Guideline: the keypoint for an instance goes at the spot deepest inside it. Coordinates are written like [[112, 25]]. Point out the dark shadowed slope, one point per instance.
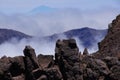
[[87, 36], [7, 34]]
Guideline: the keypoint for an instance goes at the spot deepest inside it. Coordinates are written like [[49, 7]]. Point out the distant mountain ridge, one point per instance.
[[87, 36], [7, 34]]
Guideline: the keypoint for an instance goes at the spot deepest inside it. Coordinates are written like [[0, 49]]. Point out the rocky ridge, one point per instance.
[[110, 46], [68, 63]]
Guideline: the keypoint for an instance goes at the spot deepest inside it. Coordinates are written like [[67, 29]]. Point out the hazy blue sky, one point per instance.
[[27, 5]]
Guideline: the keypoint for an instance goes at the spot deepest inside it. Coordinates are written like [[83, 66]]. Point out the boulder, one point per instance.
[[67, 57], [94, 68], [11, 67], [31, 62], [30, 58]]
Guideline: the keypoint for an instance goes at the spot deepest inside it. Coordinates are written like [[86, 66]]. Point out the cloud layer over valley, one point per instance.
[[15, 47], [42, 24], [46, 17]]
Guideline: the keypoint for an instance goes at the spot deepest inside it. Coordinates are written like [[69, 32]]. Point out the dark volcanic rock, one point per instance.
[[11, 67], [31, 58], [95, 68], [111, 61], [31, 63], [45, 61], [110, 46], [17, 66], [67, 57], [85, 52], [115, 72]]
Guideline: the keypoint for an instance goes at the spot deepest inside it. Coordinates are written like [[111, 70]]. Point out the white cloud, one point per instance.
[[45, 47], [58, 21], [15, 48], [94, 14]]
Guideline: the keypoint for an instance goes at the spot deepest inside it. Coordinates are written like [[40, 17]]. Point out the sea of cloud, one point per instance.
[[39, 24], [15, 47], [46, 24]]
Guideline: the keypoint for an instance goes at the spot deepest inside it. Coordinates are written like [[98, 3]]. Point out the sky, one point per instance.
[[46, 17], [11, 6]]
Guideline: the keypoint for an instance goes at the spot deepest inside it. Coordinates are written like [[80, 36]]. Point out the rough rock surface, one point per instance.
[[45, 61], [67, 57], [68, 63], [110, 46]]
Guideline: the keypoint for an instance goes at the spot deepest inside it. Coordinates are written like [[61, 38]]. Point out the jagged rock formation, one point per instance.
[[110, 46], [67, 58], [69, 63], [29, 67], [85, 52]]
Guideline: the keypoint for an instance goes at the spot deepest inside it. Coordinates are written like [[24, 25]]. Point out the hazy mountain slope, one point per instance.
[[87, 36], [7, 34]]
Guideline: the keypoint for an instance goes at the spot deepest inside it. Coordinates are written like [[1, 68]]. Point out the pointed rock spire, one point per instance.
[[85, 52]]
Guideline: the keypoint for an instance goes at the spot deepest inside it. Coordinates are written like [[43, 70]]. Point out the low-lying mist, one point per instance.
[[14, 47], [46, 24], [58, 21]]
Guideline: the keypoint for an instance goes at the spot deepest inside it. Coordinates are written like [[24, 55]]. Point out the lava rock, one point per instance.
[[85, 52], [45, 61]]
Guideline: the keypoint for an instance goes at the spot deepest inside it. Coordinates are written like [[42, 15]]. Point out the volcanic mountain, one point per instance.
[[87, 36], [7, 34]]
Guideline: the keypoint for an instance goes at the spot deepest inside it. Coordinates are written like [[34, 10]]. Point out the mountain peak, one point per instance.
[[86, 35], [7, 34], [42, 9]]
